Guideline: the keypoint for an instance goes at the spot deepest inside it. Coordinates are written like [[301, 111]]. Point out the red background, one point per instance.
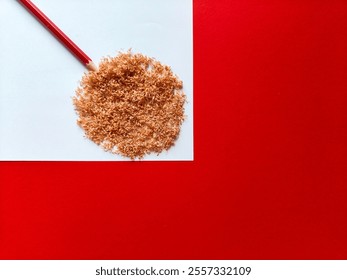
[[270, 172]]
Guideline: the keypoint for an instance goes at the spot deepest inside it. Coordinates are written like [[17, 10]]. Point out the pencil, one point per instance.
[[69, 44]]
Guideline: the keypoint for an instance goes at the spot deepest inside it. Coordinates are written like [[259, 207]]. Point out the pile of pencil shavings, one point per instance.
[[132, 105]]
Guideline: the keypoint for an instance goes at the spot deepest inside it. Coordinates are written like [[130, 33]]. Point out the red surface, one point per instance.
[[70, 45], [269, 179]]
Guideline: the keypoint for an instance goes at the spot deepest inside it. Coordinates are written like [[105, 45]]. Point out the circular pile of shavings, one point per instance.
[[131, 106]]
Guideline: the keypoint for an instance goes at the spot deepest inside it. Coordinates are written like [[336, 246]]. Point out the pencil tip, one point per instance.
[[91, 66]]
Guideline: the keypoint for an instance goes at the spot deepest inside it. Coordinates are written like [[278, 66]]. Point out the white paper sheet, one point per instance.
[[38, 75]]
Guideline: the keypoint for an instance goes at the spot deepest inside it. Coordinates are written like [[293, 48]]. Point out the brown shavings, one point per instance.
[[132, 105]]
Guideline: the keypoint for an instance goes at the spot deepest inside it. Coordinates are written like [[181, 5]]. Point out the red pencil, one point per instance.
[[59, 34]]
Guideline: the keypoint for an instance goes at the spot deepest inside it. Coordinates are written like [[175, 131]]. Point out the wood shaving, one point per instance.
[[132, 105]]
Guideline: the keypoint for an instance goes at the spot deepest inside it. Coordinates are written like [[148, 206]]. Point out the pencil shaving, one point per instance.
[[132, 105]]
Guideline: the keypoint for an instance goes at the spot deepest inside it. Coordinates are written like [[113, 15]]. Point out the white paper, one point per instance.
[[38, 75]]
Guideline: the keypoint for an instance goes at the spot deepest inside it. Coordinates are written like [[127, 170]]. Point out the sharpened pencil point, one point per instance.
[[91, 66]]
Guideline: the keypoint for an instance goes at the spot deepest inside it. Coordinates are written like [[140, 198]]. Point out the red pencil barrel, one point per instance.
[[56, 31]]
